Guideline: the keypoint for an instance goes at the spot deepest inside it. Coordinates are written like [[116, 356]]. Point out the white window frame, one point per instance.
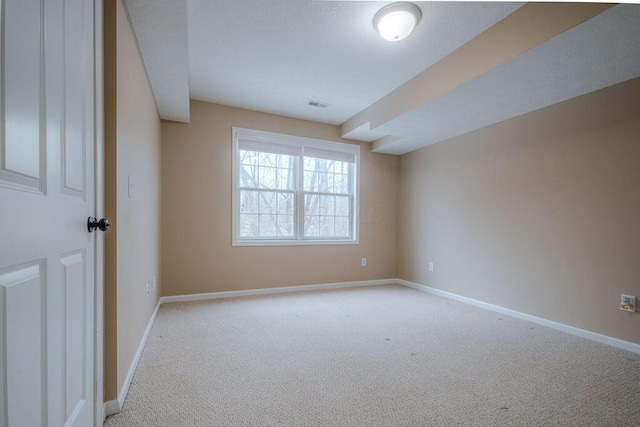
[[300, 142]]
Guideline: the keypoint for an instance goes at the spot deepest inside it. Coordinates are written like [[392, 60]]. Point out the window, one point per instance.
[[293, 190]]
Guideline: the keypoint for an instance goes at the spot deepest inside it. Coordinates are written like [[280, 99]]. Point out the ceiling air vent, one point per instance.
[[318, 104]]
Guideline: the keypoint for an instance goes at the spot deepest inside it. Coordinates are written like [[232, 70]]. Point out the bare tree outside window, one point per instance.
[[266, 194], [326, 198], [287, 191]]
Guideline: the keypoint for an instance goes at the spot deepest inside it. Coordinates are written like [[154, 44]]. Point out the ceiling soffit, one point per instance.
[[400, 122], [160, 27]]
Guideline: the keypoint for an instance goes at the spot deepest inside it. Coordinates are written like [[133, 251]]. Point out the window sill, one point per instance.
[[294, 242]]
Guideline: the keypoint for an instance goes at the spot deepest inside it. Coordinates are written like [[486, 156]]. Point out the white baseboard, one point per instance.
[[111, 407], [114, 406], [605, 339], [267, 291]]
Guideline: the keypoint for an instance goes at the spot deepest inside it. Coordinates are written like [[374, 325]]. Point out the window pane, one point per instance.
[[324, 186], [285, 162], [318, 182], [265, 214], [285, 226], [267, 225], [267, 202], [341, 183], [311, 204], [327, 206], [309, 164], [326, 216], [248, 157], [267, 177], [342, 205], [249, 226], [342, 226], [314, 178], [285, 203], [248, 201], [267, 159], [266, 170], [286, 179], [249, 175], [326, 226], [329, 183], [310, 181], [326, 176], [311, 226]]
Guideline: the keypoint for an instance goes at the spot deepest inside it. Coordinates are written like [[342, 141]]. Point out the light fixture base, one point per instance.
[[396, 21]]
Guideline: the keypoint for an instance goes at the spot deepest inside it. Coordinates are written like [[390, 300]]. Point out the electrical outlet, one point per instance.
[[628, 303], [363, 262], [431, 267]]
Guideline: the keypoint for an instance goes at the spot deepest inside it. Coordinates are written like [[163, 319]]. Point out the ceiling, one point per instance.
[[465, 66]]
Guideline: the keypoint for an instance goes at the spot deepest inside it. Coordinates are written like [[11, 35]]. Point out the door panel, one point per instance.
[[22, 302], [74, 99], [47, 256], [75, 334], [22, 155]]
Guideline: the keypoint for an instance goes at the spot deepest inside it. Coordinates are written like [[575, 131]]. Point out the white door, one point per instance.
[[46, 195]]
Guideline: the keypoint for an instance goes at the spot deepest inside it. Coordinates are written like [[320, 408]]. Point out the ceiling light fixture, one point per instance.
[[395, 22]]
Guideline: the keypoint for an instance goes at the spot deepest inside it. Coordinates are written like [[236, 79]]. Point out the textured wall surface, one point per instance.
[[196, 212], [132, 155], [538, 213]]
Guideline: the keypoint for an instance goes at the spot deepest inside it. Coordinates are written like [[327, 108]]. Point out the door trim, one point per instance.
[[98, 354]]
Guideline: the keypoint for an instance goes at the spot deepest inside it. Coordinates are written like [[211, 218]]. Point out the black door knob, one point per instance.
[[93, 223]]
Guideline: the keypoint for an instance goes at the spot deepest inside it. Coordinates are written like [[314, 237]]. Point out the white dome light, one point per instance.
[[396, 21]]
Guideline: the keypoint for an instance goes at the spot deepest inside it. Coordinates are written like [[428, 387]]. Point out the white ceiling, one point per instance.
[[161, 30], [596, 54], [276, 55]]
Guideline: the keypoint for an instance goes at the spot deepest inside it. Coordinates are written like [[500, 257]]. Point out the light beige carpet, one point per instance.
[[374, 356]]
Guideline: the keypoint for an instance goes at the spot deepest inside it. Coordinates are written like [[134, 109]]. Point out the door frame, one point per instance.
[[98, 354]]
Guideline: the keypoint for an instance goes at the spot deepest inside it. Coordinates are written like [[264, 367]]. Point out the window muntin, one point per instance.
[[291, 190], [267, 193], [327, 199]]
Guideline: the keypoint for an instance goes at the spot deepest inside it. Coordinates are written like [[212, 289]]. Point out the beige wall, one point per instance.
[[540, 214], [132, 150], [196, 212]]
